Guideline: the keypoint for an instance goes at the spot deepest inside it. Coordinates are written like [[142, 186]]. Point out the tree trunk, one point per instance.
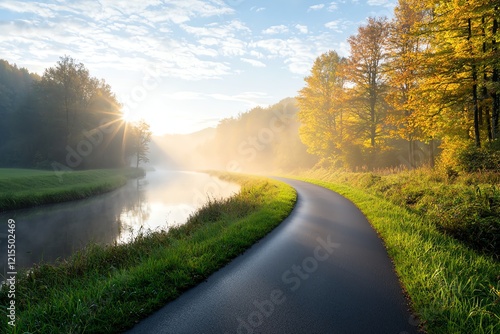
[[373, 103], [411, 151], [432, 159], [477, 134], [495, 130]]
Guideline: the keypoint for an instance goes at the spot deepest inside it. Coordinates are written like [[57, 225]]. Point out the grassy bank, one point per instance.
[[453, 288], [21, 188], [466, 206], [108, 289]]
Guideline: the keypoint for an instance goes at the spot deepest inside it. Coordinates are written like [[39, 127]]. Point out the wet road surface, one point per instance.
[[323, 270]]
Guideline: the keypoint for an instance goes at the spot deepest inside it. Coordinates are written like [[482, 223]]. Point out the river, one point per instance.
[[158, 201]]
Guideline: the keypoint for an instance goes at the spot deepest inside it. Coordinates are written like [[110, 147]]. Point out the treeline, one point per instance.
[[427, 78], [261, 139], [64, 120]]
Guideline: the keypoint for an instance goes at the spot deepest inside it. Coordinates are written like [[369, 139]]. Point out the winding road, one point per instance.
[[323, 270]]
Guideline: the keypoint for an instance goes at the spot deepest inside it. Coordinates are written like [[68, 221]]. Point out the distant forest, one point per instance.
[[64, 120], [262, 139]]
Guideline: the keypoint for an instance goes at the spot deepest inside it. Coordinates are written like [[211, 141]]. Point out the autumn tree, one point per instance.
[[456, 93], [464, 46], [405, 46], [365, 73], [321, 109]]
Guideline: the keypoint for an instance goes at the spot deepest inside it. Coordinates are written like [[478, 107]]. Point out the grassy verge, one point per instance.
[[466, 206], [108, 289], [453, 289], [21, 188]]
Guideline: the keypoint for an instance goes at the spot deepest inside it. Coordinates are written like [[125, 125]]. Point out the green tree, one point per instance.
[[141, 136], [74, 106], [18, 124]]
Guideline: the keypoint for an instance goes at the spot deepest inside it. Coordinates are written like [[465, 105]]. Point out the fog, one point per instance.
[[262, 140]]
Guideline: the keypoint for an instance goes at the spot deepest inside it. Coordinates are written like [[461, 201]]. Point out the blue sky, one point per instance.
[[185, 64]]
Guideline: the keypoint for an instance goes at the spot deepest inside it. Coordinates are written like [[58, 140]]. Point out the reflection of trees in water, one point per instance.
[[56, 231], [136, 211]]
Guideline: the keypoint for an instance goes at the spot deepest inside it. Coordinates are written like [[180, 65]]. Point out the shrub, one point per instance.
[[472, 158]]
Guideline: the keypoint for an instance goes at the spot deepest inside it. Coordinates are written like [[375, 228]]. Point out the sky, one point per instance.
[[183, 65]]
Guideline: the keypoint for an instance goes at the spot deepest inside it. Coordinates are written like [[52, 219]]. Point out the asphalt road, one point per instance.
[[323, 270]]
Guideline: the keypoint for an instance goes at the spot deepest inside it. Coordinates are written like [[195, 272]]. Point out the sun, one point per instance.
[[127, 117]]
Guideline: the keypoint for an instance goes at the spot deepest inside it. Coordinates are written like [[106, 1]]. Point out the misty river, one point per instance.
[[159, 200]]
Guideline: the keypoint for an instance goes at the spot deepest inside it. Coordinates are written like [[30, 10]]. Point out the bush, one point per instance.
[[473, 159]]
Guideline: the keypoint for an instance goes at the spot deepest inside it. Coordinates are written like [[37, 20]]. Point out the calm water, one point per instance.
[[158, 201]]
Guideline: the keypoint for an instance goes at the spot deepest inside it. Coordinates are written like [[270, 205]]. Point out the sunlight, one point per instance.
[[128, 117]]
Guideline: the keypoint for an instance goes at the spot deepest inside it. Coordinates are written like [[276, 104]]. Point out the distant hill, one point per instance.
[[180, 151], [260, 140]]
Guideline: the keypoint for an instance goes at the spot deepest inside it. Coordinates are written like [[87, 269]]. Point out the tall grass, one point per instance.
[[20, 188], [106, 289], [466, 206]]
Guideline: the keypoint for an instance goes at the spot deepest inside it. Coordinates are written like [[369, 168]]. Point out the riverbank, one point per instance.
[[22, 188], [106, 289], [453, 287]]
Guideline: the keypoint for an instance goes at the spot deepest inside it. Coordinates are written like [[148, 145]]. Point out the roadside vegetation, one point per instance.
[[465, 206], [21, 188], [442, 234], [107, 289]]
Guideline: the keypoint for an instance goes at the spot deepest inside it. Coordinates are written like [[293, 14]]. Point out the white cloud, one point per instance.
[[384, 3], [302, 29], [217, 30], [333, 7], [339, 25], [123, 35], [273, 30], [316, 7], [333, 25], [253, 62], [256, 54], [257, 9], [133, 35], [297, 53]]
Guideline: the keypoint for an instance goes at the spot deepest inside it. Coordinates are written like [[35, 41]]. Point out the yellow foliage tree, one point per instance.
[[321, 111], [367, 81]]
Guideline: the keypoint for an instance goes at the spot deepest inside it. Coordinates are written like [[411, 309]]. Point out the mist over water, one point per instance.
[[158, 201]]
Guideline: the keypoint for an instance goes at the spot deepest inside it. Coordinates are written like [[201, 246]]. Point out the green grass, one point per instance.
[[453, 289], [21, 188], [107, 289], [465, 206]]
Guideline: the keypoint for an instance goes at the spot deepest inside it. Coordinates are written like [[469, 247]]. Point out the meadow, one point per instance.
[[21, 188]]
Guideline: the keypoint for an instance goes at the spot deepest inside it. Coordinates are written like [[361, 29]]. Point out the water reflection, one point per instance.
[[158, 201]]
